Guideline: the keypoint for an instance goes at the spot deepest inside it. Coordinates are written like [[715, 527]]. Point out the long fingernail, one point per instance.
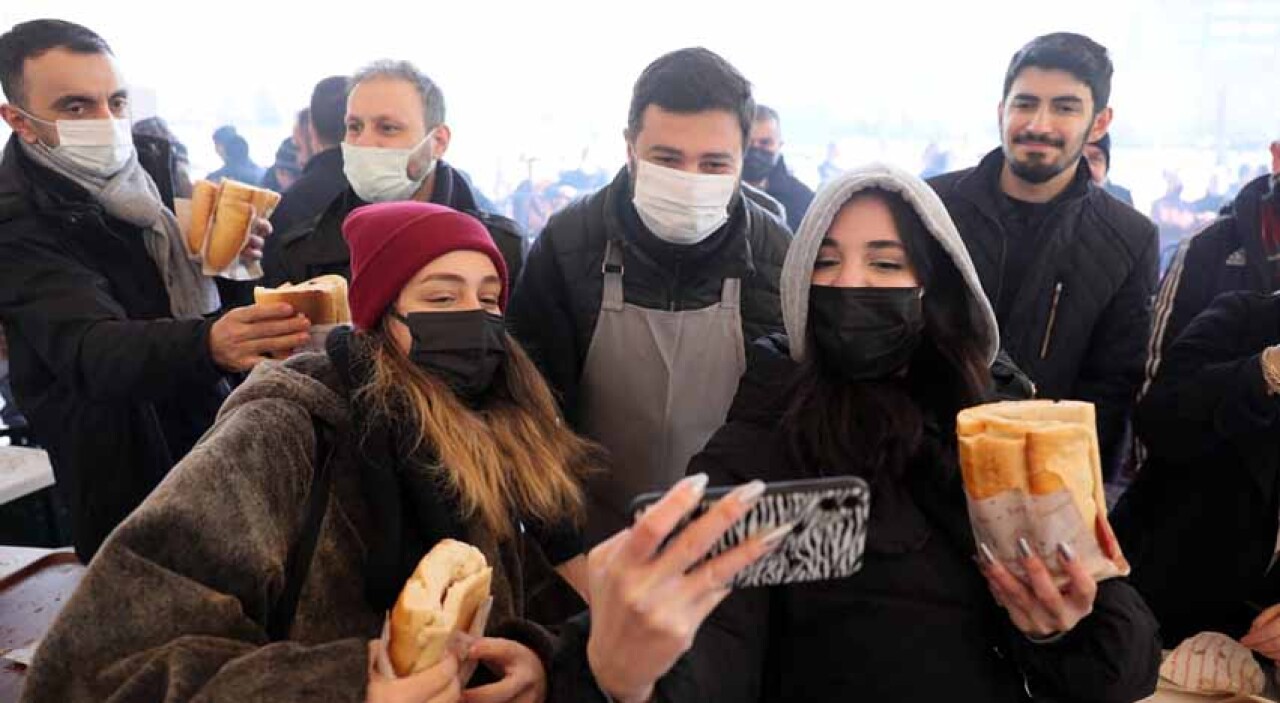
[[1068, 554], [988, 557], [1024, 547], [695, 484], [749, 493], [775, 536]]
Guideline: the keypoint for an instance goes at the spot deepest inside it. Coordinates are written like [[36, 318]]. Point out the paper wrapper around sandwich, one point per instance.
[[1032, 470], [458, 645]]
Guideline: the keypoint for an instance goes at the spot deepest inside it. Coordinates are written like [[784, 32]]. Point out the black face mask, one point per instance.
[[865, 333], [757, 164], [464, 349]]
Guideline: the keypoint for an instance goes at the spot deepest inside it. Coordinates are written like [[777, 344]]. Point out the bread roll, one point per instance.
[[204, 196], [322, 300], [265, 201], [231, 223], [1212, 662], [442, 597], [1037, 446]]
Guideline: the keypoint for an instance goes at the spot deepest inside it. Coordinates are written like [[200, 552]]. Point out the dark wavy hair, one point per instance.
[[875, 428]]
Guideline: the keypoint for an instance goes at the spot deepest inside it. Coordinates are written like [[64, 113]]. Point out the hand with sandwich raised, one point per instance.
[[522, 676], [437, 684], [246, 336], [646, 604], [1041, 610]]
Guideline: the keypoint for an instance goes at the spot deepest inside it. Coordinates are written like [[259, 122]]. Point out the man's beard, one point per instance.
[[1037, 171]]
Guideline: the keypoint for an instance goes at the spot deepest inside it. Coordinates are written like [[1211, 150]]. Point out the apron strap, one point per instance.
[[731, 293], [612, 269]]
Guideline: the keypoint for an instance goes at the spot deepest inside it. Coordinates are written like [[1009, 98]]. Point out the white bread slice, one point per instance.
[[441, 597]]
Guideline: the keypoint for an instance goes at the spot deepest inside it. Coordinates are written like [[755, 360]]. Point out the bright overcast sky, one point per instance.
[[551, 78]]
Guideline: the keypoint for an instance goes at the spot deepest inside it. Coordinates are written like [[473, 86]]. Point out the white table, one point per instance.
[[23, 471]]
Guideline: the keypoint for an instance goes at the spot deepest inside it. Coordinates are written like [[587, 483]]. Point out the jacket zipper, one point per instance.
[[1053, 317]]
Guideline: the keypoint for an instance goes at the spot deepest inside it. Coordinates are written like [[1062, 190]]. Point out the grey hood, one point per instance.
[[797, 270]]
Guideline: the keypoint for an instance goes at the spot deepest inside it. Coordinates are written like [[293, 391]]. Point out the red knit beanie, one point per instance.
[[391, 242]]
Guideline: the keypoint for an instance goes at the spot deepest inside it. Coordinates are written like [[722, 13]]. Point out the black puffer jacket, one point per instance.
[[315, 247], [1078, 326], [555, 306], [115, 389], [917, 623]]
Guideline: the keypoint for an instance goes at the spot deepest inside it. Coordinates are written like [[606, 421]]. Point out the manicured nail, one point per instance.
[[749, 493], [1024, 547], [775, 536], [696, 484], [1068, 554], [988, 557]]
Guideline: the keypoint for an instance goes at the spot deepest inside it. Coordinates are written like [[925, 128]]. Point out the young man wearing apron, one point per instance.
[[638, 301]]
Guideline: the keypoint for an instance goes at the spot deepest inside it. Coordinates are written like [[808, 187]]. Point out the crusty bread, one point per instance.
[[265, 201], [231, 224], [1211, 662], [442, 596], [322, 300], [1037, 446], [204, 196]]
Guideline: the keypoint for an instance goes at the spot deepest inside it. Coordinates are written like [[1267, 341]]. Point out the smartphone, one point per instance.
[[827, 542]]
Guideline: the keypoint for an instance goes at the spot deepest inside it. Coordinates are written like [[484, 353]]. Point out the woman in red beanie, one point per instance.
[[263, 566]]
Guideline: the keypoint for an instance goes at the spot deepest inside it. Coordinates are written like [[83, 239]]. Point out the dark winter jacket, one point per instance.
[[113, 387], [1199, 524], [788, 190], [1228, 255], [1079, 322]]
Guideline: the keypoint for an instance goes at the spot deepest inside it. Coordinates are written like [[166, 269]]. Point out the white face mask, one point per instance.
[[380, 174], [679, 207], [99, 148]]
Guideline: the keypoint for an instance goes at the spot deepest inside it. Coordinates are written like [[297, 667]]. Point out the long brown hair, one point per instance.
[[513, 455]]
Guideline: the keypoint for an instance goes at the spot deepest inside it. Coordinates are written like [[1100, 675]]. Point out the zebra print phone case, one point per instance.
[[830, 534]]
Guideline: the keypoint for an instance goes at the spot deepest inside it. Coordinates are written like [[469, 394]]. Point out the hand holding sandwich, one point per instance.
[[437, 684], [1041, 609], [246, 336]]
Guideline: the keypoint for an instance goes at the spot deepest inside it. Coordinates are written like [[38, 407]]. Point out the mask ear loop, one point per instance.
[[415, 156], [33, 118]]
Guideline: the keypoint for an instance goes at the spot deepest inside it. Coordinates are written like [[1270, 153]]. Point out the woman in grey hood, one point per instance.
[[888, 336]]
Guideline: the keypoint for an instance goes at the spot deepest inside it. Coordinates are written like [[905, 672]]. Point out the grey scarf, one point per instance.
[[132, 196]]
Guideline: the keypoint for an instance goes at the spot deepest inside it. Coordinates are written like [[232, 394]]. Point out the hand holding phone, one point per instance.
[[828, 521]]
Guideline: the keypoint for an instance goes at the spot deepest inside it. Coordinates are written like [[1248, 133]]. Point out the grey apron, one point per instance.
[[656, 385]]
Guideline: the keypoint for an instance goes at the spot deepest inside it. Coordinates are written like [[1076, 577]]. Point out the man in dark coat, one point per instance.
[[764, 167], [1069, 269], [118, 349], [396, 138]]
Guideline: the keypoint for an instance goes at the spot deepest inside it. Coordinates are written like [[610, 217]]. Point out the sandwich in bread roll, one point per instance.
[[1036, 446], [204, 195], [1031, 470], [232, 221], [442, 597], [1211, 662], [322, 300]]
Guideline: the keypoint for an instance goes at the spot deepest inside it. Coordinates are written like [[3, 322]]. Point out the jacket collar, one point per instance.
[[981, 186]]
